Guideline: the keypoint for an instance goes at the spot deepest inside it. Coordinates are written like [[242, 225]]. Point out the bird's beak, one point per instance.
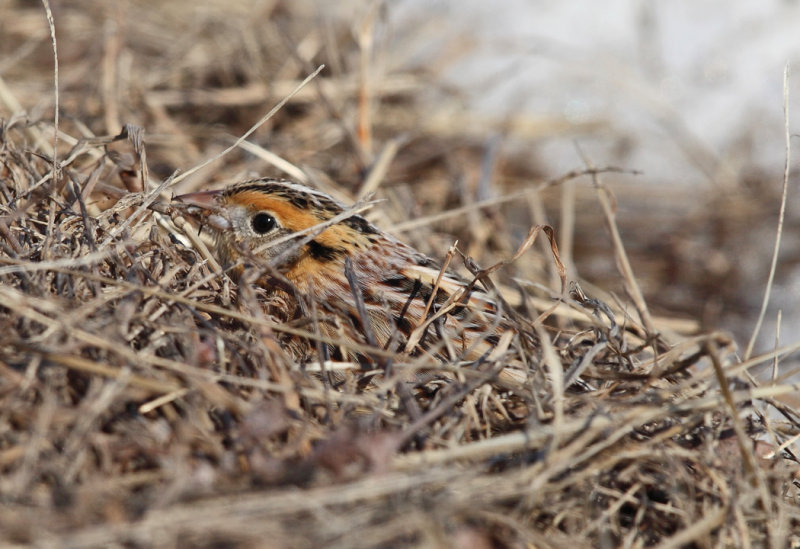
[[204, 206]]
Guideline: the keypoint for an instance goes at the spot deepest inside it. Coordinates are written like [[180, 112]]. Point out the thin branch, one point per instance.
[[781, 215]]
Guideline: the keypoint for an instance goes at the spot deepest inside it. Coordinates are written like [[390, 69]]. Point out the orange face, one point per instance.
[[290, 225], [362, 280]]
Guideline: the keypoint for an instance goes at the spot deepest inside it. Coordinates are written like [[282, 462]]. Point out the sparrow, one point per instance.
[[320, 260]]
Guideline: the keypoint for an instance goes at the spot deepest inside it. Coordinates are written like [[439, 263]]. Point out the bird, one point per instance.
[[319, 259]]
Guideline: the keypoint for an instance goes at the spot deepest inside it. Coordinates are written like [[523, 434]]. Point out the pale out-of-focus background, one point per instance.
[[688, 93]]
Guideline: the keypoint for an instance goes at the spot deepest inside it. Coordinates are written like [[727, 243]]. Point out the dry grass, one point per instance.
[[144, 401]]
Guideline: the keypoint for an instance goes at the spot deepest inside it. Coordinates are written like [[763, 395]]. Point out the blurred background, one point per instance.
[[688, 94], [467, 102]]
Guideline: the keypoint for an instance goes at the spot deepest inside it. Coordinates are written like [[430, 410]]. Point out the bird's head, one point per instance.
[[277, 220]]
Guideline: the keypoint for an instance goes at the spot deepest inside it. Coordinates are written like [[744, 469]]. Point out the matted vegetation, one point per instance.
[[145, 400]]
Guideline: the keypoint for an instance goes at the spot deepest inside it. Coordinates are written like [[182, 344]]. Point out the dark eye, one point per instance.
[[263, 223]]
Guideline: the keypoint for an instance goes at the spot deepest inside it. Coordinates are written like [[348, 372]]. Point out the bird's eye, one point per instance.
[[263, 223]]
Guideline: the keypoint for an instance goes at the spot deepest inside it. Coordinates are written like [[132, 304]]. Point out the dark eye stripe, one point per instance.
[[322, 252]]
